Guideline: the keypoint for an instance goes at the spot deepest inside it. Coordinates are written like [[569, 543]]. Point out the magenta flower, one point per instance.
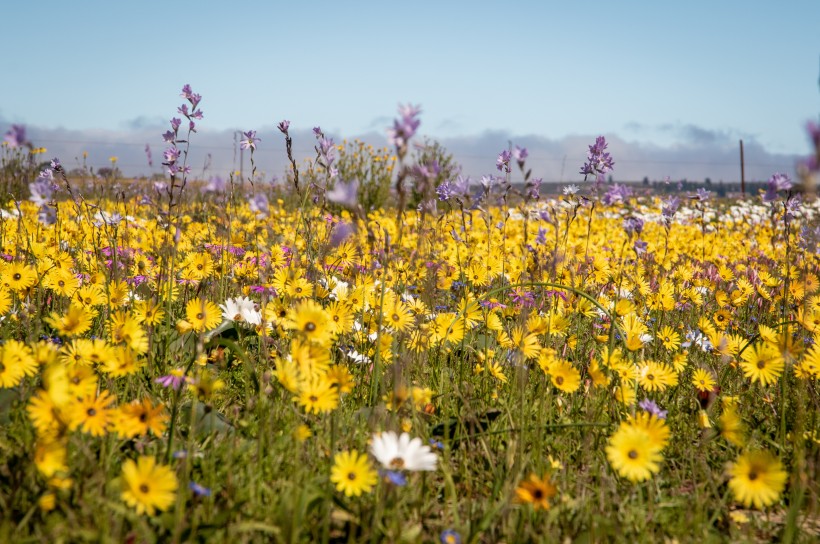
[[174, 380], [283, 126]]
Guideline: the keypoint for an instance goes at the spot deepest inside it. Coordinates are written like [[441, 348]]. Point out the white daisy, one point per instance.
[[402, 453], [241, 310]]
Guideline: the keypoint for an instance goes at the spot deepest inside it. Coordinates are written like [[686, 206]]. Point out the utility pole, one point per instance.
[[742, 172]]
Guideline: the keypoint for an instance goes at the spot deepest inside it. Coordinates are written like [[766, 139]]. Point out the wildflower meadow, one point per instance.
[[379, 349]]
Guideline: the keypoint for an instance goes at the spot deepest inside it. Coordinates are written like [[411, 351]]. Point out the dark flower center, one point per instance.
[[752, 476], [200, 315], [17, 276], [351, 476], [538, 494], [143, 488], [397, 463], [761, 365], [91, 412], [632, 454], [559, 380], [310, 326]]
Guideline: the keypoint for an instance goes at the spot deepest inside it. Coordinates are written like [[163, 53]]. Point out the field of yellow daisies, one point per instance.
[[184, 361]]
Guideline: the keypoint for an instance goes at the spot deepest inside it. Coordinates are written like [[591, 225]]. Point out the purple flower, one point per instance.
[[55, 164], [633, 225], [639, 246], [340, 233], [16, 136], [599, 162], [173, 380], [652, 408], [148, 156], [216, 184], [249, 142], [669, 208], [283, 127], [617, 193], [701, 195], [534, 188], [778, 182], [792, 207], [344, 193], [503, 161], [520, 155], [171, 155], [175, 122], [541, 238], [405, 127], [259, 204]]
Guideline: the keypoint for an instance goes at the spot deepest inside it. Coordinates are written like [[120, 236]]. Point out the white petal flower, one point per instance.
[[241, 310], [402, 452]]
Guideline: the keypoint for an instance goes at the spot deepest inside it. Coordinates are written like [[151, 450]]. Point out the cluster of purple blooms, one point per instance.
[[16, 136], [42, 192], [172, 154], [404, 128], [616, 194], [599, 161], [326, 150], [457, 188]]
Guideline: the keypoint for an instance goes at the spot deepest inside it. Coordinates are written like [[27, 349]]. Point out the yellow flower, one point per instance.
[[703, 380], [148, 487], [536, 491], [353, 473], [76, 321], [318, 396], [92, 413], [757, 479], [565, 377], [632, 452], [203, 315], [762, 363]]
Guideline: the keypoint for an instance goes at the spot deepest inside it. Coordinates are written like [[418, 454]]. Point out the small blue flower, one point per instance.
[[449, 536], [199, 490], [395, 477]]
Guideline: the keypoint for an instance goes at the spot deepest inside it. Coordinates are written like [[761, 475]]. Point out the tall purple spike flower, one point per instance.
[[404, 127], [16, 136], [503, 161], [599, 161]]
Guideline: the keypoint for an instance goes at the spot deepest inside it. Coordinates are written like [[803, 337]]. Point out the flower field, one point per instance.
[[450, 362]]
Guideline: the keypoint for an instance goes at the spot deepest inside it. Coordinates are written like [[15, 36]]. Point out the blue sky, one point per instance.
[[651, 73]]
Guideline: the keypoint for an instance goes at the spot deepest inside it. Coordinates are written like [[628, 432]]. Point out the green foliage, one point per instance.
[[372, 167]]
